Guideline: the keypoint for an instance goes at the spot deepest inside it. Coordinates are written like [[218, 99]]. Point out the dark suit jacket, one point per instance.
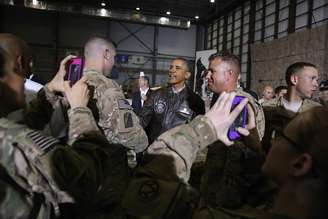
[[136, 101]]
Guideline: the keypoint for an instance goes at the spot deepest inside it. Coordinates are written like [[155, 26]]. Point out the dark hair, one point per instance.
[[146, 78], [3, 57], [323, 85], [228, 57], [295, 68], [185, 61], [279, 88]]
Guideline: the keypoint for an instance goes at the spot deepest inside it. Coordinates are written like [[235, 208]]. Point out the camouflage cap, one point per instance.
[[323, 85], [308, 132]]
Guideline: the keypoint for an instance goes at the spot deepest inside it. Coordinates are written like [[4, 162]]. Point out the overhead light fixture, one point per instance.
[[103, 12], [137, 8], [212, 1], [164, 20], [35, 2], [196, 17], [168, 12], [103, 4]]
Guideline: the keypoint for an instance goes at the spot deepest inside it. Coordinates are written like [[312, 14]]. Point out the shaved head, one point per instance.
[[96, 44], [99, 55]]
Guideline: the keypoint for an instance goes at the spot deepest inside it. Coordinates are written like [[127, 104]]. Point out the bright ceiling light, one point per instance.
[[35, 2], [103, 12], [103, 4], [196, 17], [168, 12], [212, 1], [137, 8]]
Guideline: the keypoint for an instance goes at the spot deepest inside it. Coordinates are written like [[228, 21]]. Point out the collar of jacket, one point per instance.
[[91, 72], [306, 104]]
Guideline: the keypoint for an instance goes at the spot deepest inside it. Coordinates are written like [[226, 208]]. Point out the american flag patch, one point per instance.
[[44, 142]]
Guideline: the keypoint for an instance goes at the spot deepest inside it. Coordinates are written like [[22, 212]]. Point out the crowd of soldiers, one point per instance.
[[65, 155]]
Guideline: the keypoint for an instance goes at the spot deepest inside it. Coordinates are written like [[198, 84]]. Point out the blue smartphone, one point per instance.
[[240, 121]]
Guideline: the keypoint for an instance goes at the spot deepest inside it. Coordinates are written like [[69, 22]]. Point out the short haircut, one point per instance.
[[229, 58], [13, 44], [296, 68], [16, 46], [90, 47], [279, 88], [185, 62]]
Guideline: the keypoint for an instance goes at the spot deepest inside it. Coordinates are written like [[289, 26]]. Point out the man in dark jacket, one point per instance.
[[140, 96], [173, 105]]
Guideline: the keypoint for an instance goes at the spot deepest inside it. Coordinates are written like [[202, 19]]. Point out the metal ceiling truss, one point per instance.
[[123, 15]]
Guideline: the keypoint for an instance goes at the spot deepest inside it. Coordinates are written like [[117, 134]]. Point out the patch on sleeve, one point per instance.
[[44, 142], [124, 104], [128, 122], [148, 191]]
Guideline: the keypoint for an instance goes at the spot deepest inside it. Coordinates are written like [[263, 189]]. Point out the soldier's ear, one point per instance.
[[107, 54], [293, 79], [301, 165]]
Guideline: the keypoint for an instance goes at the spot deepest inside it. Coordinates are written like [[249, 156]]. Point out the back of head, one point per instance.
[[229, 58], [294, 69], [279, 88], [309, 131], [18, 49], [94, 45]]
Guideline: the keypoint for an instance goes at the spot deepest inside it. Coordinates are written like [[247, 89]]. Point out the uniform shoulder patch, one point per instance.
[[160, 106], [45, 143], [148, 190]]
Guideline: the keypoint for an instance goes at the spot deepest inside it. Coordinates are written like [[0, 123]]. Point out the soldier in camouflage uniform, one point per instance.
[[160, 189], [232, 178], [111, 110], [302, 81], [38, 175], [297, 160]]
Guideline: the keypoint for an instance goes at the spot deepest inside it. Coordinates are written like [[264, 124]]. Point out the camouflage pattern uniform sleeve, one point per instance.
[[39, 111], [159, 188], [81, 121], [38, 164], [258, 110], [116, 117], [182, 144]]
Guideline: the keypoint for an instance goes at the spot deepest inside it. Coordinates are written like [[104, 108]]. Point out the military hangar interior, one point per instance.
[[163, 65], [147, 37]]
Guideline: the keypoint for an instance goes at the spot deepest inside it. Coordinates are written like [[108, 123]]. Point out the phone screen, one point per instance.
[[240, 121], [75, 70]]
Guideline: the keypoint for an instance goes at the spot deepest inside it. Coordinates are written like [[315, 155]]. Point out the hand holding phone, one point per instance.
[[222, 117], [56, 84], [240, 121], [75, 70]]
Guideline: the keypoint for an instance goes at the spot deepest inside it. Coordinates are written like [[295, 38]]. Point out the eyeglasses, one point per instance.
[[295, 145], [315, 172]]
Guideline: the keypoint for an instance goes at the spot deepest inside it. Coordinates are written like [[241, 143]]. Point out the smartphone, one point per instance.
[[75, 70], [240, 121]]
